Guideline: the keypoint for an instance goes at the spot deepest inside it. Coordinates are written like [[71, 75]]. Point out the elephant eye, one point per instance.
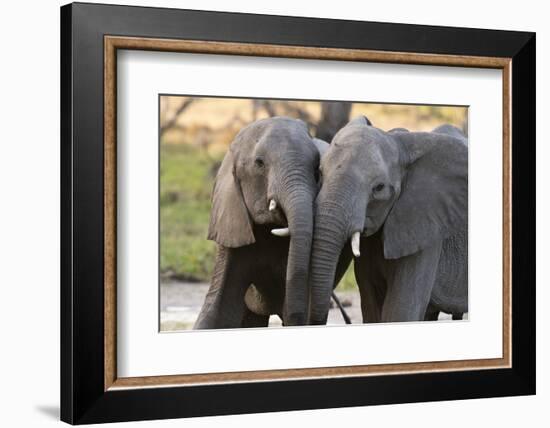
[[259, 162], [378, 188]]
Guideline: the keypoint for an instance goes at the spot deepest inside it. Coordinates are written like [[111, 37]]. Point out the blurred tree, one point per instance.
[[334, 115], [172, 121], [258, 105]]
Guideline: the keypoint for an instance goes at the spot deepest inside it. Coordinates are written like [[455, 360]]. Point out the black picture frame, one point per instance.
[[83, 398]]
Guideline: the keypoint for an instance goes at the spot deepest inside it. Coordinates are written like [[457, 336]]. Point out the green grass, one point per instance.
[[186, 183]]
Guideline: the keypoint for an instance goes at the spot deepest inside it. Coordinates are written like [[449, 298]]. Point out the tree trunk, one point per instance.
[[334, 116]]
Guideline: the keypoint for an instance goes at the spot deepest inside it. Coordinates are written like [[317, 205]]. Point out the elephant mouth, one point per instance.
[[281, 224], [277, 217], [369, 227]]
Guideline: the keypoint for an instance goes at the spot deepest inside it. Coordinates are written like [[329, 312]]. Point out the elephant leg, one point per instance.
[[410, 285], [371, 302], [371, 282], [224, 305], [431, 316], [251, 319], [371, 291], [432, 313]]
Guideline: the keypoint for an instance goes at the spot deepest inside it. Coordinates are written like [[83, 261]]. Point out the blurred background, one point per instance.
[[195, 133]]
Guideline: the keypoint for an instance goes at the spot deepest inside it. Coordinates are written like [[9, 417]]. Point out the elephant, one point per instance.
[[399, 201], [262, 222]]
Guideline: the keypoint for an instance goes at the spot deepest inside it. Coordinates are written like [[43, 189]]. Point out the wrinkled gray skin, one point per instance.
[[432, 313], [407, 195], [271, 159]]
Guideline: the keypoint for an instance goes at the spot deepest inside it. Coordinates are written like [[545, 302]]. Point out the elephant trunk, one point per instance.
[[338, 216], [328, 241], [298, 207]]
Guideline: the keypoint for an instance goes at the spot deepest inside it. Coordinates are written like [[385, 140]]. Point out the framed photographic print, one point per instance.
[[266, 213]]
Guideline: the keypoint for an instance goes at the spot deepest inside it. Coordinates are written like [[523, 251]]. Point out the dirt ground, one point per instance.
[[180, 303]]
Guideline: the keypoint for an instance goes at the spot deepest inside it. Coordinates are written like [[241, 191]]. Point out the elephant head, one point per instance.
[[268, 177], [410, 186]]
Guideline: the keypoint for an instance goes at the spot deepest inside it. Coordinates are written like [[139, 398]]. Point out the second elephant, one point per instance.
[[399, 199]]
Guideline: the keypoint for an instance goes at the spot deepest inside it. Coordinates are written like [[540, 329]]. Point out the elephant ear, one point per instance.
[[360, 120], [451, 130], [433, 204], [230, 225]]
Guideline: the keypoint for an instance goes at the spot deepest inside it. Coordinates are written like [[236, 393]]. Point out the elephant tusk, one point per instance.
[[281, 232], [355, 244], [272, 205]]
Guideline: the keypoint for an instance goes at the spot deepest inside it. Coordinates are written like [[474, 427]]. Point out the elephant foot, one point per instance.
[[296, 319], [318, 321], [431, 316], [251, 319]]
